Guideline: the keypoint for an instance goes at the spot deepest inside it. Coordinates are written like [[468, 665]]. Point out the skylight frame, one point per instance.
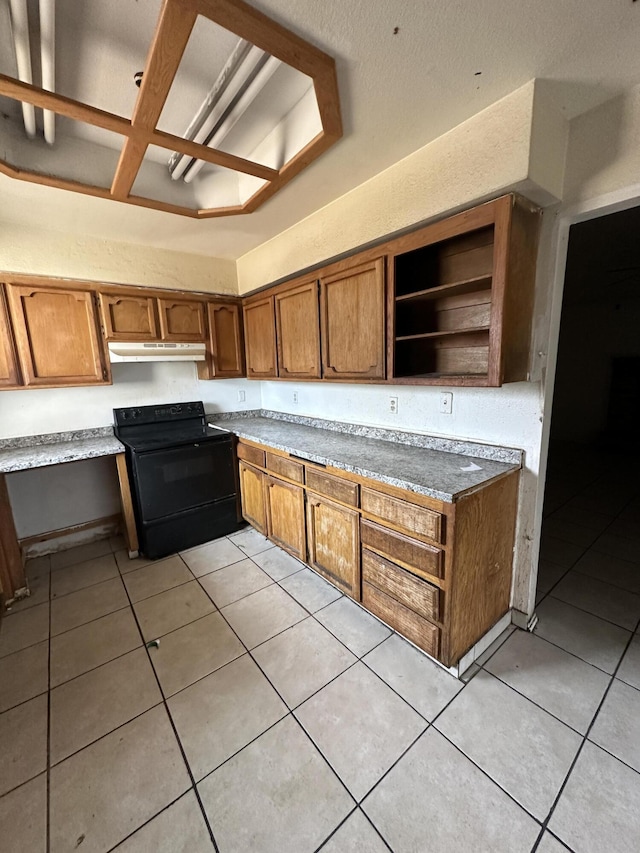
[[173, 29]]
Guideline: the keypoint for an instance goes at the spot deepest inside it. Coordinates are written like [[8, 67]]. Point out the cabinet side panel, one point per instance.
[[482, 562], [9, 375], [519, 295]]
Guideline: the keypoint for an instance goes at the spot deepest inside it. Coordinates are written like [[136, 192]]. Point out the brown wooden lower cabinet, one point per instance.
[[252, 495], [387, 548], [285, 516], [333, 533]]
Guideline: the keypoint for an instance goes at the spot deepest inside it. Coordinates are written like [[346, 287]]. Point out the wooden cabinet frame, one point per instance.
[[345, 335], [298, 331], [448, 605], [9, 370], [260, 338], [144, 309], [224, 356], [33, 341]]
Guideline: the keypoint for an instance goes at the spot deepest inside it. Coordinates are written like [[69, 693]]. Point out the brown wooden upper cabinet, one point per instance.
[[298, 331], [182, 320], [260, 338], [225, 334], [460, 297], [9, 372], [56, 333], [128, 317], [352, 321]]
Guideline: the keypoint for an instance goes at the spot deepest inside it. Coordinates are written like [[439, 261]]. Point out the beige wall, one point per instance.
[[41, 252], [486, 155], [604, 149]]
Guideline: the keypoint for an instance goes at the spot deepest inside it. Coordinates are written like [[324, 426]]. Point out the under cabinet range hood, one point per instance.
[[135, 351]]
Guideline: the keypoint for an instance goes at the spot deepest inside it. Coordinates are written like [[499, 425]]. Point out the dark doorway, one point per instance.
[[588, 597]]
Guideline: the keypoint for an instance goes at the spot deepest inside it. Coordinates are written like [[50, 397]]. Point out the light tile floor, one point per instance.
[[273, 714]]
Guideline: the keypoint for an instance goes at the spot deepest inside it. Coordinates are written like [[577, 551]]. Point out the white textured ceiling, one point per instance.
[[399, 90]]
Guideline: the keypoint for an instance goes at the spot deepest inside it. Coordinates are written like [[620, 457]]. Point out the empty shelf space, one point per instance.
[[470, 285], [447, 333]]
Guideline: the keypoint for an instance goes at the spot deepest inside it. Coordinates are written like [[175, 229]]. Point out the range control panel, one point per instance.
[[165, 413]]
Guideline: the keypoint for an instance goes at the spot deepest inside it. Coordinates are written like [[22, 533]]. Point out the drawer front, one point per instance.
[[416, 594], [424, 634], [285, 467], [415, 519], [251, 454], [332, 487], [417, 556]]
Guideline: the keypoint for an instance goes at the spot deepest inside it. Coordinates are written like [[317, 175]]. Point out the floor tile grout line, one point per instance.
[[359, 800], [488, 776], [372, 824], [82, 624], [604, 619], [533, 702], [142, 825], [585, 738], [110, 732], [96, 667], [331, 834], [48, 767], [175, 732]]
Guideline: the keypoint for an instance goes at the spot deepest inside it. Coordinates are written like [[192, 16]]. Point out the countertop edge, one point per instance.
[[406, 485]]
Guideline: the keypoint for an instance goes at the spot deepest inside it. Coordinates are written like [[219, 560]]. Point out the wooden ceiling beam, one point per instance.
[[63, 106], [172, 33]]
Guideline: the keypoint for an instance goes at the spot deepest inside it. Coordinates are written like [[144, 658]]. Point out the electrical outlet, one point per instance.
[[295, 396], [446, 403], [393, 405], [241, 396]]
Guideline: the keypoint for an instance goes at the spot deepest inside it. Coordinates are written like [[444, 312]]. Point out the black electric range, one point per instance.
[[183, 476]]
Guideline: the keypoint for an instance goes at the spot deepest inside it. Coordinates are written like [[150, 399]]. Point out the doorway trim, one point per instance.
[[581, 211]]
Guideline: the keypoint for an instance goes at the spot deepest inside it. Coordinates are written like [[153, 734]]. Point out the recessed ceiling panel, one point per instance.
[[215, 118], [82, 153], [100, 45]]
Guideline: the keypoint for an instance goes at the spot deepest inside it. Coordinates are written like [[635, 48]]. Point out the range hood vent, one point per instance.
[[136, 351]]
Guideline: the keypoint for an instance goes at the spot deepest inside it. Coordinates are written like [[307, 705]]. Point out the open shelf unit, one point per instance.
[[451, 296]]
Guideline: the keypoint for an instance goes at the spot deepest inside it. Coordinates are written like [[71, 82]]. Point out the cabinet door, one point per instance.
[[285, 516], [181, 320], [260, 338], [56, 335], [225, 330], [128, 318], [352, 315], [252, 496], [334, 543], [298, 331], [9, 373]]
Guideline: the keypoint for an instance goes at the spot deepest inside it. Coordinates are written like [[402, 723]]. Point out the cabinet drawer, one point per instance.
[[415, 519], [251, 454], [416, 594], [417, 556], [332, 487], [285, 467], [424, 634]]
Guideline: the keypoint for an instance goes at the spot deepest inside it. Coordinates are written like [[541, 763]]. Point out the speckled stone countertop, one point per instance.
[[437, 473], [36, 451]]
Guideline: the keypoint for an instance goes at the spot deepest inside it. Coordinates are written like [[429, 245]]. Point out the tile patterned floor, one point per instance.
[[276, 715]]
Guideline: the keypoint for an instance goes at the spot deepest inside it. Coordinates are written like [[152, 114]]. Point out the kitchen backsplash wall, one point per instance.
[[30, 412], [52, 498]]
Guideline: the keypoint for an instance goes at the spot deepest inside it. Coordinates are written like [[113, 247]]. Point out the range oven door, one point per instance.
[[176, 479]]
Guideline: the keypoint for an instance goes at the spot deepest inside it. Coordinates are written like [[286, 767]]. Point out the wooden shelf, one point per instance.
[[447, 334], [469, 285]]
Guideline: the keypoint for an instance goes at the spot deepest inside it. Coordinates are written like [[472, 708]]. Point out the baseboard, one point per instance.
[[69, 537]]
